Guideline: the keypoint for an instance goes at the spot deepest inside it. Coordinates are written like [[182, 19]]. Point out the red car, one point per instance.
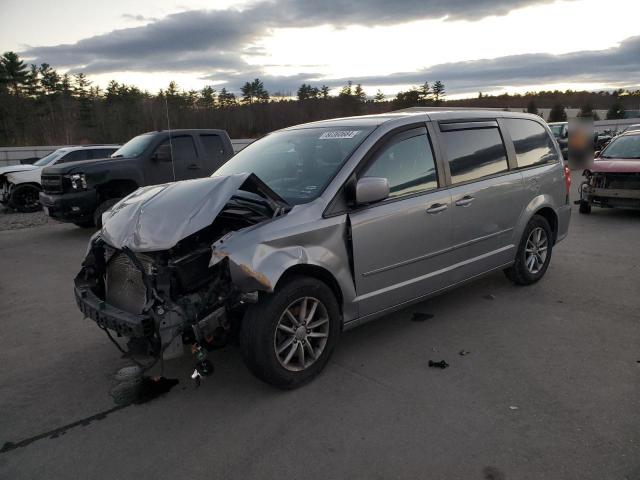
[[614, 178]]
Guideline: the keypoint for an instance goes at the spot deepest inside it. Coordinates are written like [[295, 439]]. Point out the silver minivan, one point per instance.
[[320, 227]]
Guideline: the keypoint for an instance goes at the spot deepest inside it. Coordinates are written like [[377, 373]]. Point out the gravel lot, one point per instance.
[[550, 387], [12, 220]]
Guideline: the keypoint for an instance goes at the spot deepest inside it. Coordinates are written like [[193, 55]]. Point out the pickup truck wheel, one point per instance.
[[585, 207], [534, 253], [287, 338], [25, 198], [103, 207]]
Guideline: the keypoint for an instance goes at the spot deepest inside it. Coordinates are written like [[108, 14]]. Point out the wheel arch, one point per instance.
[[550, 216], [317, 272]]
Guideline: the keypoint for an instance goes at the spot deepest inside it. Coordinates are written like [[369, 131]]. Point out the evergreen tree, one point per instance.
[[324, 91], [616, 111], [379, 96], [207, 97], [33, 87], [14, 72], [253, 92], [50, 79], [532, 108], [346, 91], [438, 91], [425, 92], [226, 99], [359, 93], [557, 114]]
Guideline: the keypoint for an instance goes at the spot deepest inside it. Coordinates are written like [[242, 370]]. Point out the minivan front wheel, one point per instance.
[[534, 253], [287, 338]]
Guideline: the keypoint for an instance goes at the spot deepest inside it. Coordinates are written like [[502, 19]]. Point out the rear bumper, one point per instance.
[[107, 316], [564, 217], [70, 207]]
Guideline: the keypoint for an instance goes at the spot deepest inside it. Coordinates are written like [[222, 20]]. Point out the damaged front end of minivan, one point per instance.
[[156, 275]]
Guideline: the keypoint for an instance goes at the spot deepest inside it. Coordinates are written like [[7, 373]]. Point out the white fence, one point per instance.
[[13, 155]]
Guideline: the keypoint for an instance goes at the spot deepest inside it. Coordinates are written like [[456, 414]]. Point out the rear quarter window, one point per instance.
[[474, 153], [213, 145], [75, 156], [532, 143]]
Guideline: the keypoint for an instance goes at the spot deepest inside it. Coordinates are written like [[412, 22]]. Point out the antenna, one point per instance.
[[173, 168]]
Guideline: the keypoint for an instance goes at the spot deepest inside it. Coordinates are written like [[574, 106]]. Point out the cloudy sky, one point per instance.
[[471, 45]]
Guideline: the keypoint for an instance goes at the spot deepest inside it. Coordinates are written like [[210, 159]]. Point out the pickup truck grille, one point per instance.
[[52, 183], [124, 286]]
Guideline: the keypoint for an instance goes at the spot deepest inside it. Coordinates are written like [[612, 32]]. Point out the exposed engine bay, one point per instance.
[[164, 300]]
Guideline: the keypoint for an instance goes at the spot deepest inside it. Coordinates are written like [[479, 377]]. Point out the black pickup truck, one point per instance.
[[80, 192]]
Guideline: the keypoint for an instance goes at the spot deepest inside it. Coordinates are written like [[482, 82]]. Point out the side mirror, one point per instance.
[[596, 154], [163, 153], [371, 189]]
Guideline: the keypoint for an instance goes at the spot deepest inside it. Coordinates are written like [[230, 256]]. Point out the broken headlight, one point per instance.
[[78, 181]]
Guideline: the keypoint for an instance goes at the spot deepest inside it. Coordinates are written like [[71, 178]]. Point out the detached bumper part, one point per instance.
[[107, 316]]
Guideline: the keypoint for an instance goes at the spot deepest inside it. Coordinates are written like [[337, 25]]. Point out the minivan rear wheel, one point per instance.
[[534, 253], [287, 338]]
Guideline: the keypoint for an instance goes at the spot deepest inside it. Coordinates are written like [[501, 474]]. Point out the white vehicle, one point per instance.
[[20, 184]]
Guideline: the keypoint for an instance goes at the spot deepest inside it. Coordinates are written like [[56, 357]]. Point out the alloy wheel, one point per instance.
[[301, 334], [535, 251]]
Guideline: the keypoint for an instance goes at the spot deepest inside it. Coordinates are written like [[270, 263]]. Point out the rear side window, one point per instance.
[[212, 145], [102, 152], [183, 148], [408, 165], [75, 156], [474, 153], [532, 142]]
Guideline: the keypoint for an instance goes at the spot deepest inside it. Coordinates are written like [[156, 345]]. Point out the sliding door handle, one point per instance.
[[465, 201], [437, 208]]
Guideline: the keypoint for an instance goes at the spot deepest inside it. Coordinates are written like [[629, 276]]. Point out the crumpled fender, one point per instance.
[[258, 263]]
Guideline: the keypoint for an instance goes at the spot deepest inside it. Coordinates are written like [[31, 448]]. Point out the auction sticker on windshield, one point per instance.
[[339, 134]]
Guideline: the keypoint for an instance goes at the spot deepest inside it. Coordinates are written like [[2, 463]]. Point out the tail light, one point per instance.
[[567, 179]]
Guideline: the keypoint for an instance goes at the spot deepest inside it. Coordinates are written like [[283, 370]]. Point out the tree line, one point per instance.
[[39, 105]]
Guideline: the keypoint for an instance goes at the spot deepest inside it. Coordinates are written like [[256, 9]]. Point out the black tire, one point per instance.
[[85, 224], [519, 273], [103, 207], [25, 198], [258, 334], [585, 207]]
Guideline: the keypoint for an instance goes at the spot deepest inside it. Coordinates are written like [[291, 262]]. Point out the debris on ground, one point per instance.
[[421, 317], [441, 364], [463, 352], [489, 297], [513, 407], [132, 387]]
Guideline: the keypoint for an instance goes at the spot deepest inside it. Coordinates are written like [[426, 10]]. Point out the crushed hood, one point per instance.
[[157, 217], [16, 168]]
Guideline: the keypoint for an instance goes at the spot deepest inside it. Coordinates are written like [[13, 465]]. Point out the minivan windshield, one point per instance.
[[298, 164], [626, 146], [47, 159], [134, 147]]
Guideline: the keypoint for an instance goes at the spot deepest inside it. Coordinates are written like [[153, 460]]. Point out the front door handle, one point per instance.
[[437, 208], [194, 166], [465, 201]]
